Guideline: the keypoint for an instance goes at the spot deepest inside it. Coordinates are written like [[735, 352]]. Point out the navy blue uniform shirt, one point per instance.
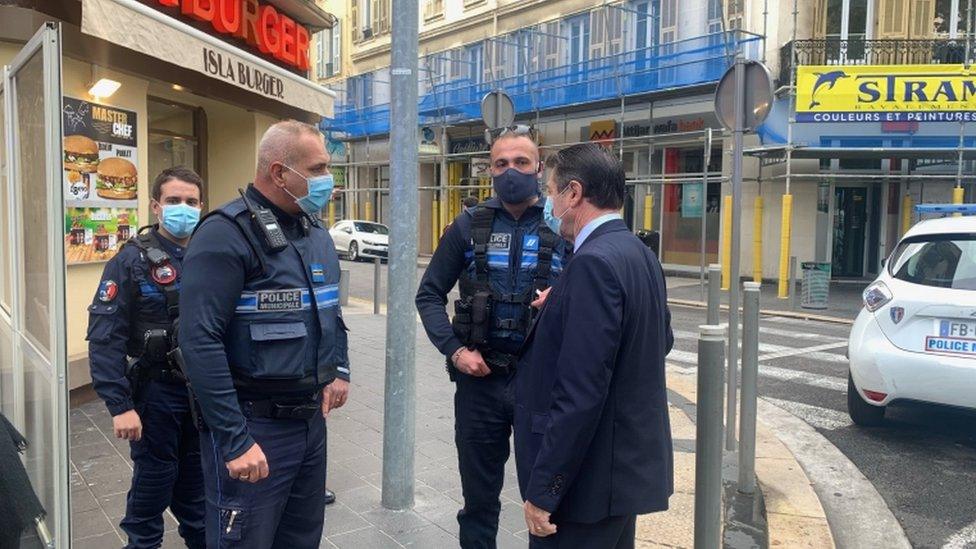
[[219, 262], [126, 277]]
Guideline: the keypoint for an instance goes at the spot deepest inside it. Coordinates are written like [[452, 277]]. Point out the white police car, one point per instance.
[[915, 338]]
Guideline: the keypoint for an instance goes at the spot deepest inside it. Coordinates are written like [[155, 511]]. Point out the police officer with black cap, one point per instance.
[[265, 347], [130, 336], [503, 256]]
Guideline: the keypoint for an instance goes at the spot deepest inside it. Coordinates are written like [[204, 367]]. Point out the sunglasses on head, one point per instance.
[[519, 129]]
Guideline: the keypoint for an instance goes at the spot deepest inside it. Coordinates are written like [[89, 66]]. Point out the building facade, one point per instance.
[[637, 76], [855, 160]]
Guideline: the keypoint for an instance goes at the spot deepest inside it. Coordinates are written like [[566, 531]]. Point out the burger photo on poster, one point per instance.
[[116, 179], [80, 154]]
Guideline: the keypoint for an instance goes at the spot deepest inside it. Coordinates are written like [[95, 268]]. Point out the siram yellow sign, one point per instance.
[[886, 93]]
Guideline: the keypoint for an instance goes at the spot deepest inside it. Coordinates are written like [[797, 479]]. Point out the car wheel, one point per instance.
[[862, 413], [353, 251]]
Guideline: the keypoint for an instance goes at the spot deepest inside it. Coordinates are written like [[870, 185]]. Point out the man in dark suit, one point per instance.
[[592, 433]]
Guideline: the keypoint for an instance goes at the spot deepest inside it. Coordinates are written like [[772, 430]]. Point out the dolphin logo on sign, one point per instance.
[[824, 80]]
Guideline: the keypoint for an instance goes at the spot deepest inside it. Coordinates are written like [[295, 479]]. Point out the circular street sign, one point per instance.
[[497, 109], [757, 97]]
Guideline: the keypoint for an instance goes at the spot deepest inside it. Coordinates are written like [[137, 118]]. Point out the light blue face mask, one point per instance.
[[179, 220], [553, 221], [318, 195]]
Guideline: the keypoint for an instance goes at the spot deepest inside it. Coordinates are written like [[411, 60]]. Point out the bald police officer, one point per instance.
[[265, 347]]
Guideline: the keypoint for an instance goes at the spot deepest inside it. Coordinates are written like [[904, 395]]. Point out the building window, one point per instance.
[[370, 18], [176, 134], [733, 12], [327, 54], [433, 9]]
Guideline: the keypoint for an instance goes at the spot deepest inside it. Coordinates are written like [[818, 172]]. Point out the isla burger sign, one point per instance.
[[263, 27], [143, 28]]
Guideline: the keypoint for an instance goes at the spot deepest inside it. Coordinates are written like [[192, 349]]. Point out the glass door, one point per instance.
[[33, 357], [850, 221]]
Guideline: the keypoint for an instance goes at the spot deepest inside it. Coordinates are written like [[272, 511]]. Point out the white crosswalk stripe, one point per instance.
[[773, 372], [769, 351], [821, 418]]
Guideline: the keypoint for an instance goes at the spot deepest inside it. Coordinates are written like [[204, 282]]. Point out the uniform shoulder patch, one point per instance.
[[108, 290]]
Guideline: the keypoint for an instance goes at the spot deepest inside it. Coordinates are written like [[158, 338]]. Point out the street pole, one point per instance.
[[401, 326], [737, 146], [714, 294], [708, 439], [750, 380]]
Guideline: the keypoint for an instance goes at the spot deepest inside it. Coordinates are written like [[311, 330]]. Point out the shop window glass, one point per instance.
[[687, 203], [173, 137], [5, 251]]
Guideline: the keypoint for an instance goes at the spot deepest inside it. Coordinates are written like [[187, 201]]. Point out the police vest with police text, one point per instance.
[[511, 264], [283, 336]]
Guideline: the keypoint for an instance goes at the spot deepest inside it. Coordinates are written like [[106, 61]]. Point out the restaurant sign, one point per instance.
[[886, 93], [129, 25]]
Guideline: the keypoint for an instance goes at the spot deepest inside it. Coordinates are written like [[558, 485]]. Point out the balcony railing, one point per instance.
[[685, 63], [834, 51]]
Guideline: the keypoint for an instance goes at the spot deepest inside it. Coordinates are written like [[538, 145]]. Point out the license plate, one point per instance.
[[955, 328]]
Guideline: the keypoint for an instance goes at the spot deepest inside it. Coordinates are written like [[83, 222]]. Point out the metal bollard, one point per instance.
[[793, 275], [714, 294], [376, 285], [749, 389], [708, 438], [344, 287]]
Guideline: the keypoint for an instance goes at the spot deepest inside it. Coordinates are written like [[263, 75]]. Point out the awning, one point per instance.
[[133, 25], [802, 152], [306, 13]]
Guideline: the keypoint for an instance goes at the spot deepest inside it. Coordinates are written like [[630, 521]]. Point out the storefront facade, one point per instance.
[[186, 93]]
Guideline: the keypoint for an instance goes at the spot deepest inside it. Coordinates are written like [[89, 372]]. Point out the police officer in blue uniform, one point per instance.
[[130, 332], [502, 254], [265, 348]]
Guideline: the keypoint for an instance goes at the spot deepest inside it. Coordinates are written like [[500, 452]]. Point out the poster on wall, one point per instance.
[[100, 179], [96, 234], [692, 201]]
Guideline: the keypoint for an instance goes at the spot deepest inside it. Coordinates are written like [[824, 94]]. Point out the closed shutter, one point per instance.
[[923, 18], [893, 22]]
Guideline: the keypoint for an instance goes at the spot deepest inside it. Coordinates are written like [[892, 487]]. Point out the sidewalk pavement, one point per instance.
[[843, 305], [101, 468]]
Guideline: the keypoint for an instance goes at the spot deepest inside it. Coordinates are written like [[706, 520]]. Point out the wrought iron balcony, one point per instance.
[[834, 51]]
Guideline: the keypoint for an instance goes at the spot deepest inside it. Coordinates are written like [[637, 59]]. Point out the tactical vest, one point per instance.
[[283, 336], [162, 278], [508, 265]]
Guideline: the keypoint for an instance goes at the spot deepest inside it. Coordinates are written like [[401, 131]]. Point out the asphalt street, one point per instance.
[[922, 461]]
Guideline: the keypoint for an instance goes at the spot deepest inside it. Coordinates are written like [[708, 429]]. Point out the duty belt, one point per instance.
[[284, 408], [166, 375]]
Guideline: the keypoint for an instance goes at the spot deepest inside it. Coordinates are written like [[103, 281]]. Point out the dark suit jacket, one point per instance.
[[592, 433]]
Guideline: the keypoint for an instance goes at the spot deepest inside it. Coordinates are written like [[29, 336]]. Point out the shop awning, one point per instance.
[[306, 13], [133, 25], [802, 152]]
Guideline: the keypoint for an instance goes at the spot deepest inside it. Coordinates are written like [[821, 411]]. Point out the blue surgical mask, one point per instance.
[[318, 195], [179, 220], [553, 221]]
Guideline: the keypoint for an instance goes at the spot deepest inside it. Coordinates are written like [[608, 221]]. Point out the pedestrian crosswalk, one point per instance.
[[794, 353]]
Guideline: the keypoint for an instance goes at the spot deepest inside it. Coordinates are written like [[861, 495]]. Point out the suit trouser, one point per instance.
[[165, 469], [483, 415], [609, 533], [285, 510]]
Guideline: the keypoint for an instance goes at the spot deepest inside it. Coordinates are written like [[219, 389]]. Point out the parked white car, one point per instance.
[[915, 338], [355, 239]]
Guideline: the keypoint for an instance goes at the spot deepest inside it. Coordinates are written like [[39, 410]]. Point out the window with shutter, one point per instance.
[[354, 19], [336, 49], [894, 19], [923, 19]]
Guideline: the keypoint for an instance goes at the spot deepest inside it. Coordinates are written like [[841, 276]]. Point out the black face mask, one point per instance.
[[515, 187]]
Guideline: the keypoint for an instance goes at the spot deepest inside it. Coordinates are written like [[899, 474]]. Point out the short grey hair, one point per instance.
[[278, 143]]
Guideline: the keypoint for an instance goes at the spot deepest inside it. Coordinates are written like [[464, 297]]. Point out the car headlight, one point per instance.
[[876, 295]]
